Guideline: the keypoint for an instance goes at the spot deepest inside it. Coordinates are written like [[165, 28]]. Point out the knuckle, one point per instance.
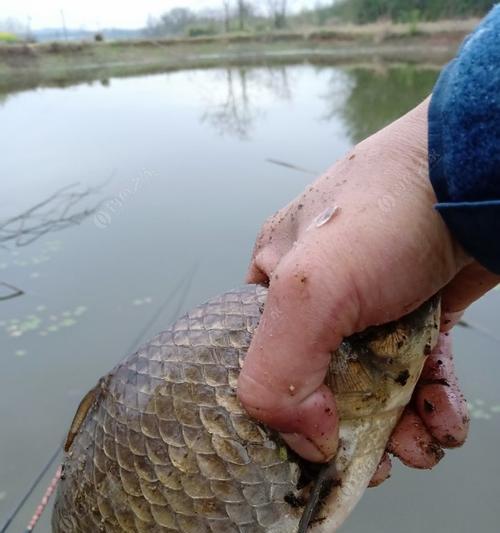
[[263, 236], [293, 275]]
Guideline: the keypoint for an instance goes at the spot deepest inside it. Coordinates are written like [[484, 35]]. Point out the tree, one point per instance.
[[227, 14], [277, 12], [242, 11], [13, 25], [177, 19], [402, 10]]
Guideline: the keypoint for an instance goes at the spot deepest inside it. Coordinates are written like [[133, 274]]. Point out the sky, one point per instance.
[[95, 14]]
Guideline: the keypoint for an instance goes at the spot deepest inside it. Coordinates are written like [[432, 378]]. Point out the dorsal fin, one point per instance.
[[87, 403]]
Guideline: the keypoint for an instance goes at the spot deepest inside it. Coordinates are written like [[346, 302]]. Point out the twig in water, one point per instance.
[[292, 166], [54, 213], [479, 329], [14, 291]]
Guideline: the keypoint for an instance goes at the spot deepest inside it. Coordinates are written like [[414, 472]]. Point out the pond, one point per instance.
[[126, 201]]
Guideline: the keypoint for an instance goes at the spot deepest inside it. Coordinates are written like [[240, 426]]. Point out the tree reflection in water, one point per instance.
[[234, 112], [365, 98], [58, 211], [376, 96]]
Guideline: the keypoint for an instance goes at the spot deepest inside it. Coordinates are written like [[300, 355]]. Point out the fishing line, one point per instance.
[[45, 500], [183, 287], [186, 284], [29, 492]]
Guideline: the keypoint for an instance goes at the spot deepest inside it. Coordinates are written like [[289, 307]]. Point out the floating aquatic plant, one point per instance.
[[42, 322], [479, 410], [142, 301]]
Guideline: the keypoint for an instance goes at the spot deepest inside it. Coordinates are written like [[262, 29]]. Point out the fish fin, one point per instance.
[[361, 447], [326, 480], [86, 404]]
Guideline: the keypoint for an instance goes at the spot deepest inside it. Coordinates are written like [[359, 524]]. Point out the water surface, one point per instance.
[[179, 171]]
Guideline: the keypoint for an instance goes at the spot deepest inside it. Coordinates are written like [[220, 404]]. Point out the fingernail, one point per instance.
[[304, 447], [383, 471]]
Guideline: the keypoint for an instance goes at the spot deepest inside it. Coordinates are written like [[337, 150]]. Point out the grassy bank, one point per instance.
[[27, 65]]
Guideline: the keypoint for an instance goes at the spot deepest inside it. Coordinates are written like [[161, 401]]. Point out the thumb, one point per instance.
[[281, 383]]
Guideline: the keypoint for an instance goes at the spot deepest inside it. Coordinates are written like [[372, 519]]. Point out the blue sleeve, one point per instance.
[[464, 143]]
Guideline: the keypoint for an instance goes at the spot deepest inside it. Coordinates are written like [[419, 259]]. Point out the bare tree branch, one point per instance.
[[56, 212], [14, 291]]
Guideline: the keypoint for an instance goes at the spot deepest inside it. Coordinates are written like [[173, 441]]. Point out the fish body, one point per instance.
[[164, 445]]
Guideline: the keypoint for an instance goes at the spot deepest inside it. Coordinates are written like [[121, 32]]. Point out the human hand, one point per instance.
[[382, 254]]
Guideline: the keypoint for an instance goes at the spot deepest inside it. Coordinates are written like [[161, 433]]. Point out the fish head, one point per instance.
[[373, 376]]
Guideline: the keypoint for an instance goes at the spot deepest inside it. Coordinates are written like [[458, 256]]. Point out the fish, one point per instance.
[[162, 443]]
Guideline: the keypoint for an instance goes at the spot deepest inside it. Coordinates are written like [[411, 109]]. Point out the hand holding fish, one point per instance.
[[362, 246]]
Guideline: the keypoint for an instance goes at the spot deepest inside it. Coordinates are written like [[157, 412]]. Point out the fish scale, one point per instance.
[[162, 444], [169, 447]]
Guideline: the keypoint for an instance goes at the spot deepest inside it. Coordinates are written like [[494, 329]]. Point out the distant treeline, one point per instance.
[[265, 15], [362, 11], [262, 16]]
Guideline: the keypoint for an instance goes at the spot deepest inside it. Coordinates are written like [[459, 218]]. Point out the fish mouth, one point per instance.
[[341, 482]]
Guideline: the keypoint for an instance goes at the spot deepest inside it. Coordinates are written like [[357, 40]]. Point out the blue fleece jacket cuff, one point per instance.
[[469, 219], [464, 143]]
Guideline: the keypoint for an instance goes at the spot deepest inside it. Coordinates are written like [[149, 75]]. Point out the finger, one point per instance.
[[281, 382], [256, 275], [274, 240], [469, 285], [439, 400], [412, 443], [383, 471], [263, 265]]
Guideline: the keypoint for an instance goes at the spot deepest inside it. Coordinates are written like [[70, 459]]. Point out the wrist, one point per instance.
[[406, 154]]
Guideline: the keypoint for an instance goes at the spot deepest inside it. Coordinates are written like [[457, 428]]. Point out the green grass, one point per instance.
[[6, 37]]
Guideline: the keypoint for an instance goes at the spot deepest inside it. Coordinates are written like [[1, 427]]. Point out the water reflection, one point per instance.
[[233, 112], [378, 97], [3, 98], [366, 99]]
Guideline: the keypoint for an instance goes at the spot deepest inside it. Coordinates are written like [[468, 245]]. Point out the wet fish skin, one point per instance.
[[167, 446]]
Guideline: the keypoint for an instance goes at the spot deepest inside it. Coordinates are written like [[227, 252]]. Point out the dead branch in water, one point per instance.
[[55, 213], [14, 291]]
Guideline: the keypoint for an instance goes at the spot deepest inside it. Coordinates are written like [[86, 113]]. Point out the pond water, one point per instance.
[[133, 199]]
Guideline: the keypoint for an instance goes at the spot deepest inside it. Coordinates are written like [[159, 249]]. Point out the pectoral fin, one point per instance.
[[341, 483]]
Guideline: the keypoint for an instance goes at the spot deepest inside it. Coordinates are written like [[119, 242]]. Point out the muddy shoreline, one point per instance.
[[24, 66]]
